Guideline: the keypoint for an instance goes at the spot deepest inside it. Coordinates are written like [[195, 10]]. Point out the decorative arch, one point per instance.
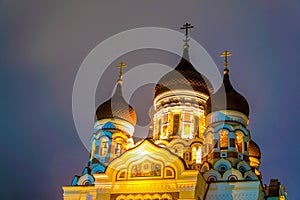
[[130, 197], [162, 143], [205, 167], [147, 197], [166, 197], [232, 173], [86, 179], [146, 153], [121, 197], [225, 126], [243, 166], [138, 197], [241, 128], [97, 168], [249, 175], [210, 174], [156, 197], [169, 172], [222, 162]]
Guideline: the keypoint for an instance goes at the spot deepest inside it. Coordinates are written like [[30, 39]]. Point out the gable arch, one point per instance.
[[151, 153]]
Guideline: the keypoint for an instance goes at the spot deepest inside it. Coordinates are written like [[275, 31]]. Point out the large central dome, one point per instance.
[[185, 77]]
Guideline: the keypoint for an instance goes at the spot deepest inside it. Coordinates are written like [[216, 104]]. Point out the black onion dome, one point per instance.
[[117, 108], [253, 150], [234, 100], [185, 76]]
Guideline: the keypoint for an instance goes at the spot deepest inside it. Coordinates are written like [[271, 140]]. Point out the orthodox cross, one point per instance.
[[226, 54], [186, 26], [121, 66]]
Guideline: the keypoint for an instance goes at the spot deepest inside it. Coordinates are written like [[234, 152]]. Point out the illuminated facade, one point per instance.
[[199, 145]]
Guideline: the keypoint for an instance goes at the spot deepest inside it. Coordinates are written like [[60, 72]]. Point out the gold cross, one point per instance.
[[186, 26], [226, 54], [121, 65]]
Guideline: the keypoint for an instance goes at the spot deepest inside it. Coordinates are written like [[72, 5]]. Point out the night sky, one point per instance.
[[43, 44]]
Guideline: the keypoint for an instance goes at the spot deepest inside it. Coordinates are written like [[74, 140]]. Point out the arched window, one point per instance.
[[239, 141], [104, 146], [194, 154], [187, 124], [175, 124], [198, 156], [223, 139], [118, 149], [196, 125]]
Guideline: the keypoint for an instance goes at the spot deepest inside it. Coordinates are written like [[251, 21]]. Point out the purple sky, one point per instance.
[[43, 44]]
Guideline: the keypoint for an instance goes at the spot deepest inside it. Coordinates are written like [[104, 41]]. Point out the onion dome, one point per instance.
[[253, 150], [185, 77], [234, 100], [117, 107]]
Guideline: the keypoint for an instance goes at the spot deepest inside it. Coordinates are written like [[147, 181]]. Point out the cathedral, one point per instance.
[[198, 146]]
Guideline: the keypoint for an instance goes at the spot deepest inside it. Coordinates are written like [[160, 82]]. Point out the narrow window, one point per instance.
[[232, 142], [104, 147], [198, 156], [196, 125], [216, 143], [175, 124], [223, 139]]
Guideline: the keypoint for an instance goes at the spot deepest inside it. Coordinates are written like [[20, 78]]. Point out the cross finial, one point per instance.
[[186, 26], [226, 54], [121, 66]]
